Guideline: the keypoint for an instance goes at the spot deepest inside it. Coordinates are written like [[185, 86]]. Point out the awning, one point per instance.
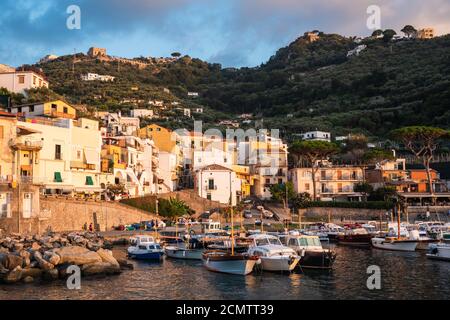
[[22, 130], [91, 156], [58, 177], [89, 181]]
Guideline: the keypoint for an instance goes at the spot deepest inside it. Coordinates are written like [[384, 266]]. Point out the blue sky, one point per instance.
[[231, 32]]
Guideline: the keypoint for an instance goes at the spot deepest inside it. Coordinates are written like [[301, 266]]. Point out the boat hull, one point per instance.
[[439, 252], [394, 245], [423, 244], [317, 259], [358, 240], [155, 256], [185, 254], [226, 263], [282, 263]]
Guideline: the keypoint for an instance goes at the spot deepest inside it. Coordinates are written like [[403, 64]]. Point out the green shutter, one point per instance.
[[58, 177], [89, 181]]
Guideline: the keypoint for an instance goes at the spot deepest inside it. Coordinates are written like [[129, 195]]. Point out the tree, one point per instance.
[[422, 141], [278, 192], [409, 30], [173, 208], [301, 200], [388, 34], [377, 155], [176, 54], [314, 151], [364, 188]]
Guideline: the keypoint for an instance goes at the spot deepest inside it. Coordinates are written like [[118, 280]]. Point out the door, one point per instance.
[[27, 205]]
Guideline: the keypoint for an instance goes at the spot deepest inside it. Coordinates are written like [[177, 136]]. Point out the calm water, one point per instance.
[[404, 276]]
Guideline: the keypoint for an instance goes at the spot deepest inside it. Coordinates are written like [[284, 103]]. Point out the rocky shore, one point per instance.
[[47, 257]]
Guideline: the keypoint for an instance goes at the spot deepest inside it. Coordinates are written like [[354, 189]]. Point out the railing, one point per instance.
[[25, 143]]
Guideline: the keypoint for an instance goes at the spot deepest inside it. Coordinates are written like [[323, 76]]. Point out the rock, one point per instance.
[[51, 274], [28, 279], [77, 255], [124, 264], [18, 246], [32, 272], [14, 275], [35, 246], [52, 257], [43, 264], [97, 268], [107, 256], [34, 264], [10, 261]]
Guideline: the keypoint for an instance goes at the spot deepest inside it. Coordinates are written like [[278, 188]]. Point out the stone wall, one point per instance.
[[342, 214], [193, 200]]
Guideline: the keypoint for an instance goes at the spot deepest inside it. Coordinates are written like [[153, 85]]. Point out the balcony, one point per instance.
[[27, 144], [57, 114], [81, 165]]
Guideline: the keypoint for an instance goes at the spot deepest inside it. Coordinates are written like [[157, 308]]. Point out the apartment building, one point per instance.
[[19, 81], [51, 109], [332, 182]]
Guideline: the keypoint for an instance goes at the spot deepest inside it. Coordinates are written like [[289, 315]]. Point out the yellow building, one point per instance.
[[52, 109], [243, 173], [164, 139], [426, 33]]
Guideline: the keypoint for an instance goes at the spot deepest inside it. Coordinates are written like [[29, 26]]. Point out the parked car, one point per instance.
[[248, 201], [267, 214], [247, 214]]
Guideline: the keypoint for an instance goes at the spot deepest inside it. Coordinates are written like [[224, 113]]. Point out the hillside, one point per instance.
[[388, 85]]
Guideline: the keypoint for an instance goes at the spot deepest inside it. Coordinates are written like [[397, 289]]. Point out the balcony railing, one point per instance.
[[22, 143]]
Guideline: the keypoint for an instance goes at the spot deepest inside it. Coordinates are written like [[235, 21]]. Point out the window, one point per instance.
[[78, 154], [211, 184], [21, 79], [307, 186], [58, 155], [1, 132], [280, 181], [19, 109], [267, 181], [34, 80], [323, 174], [54, 107], [31, 109], [208, 196], [339, 174], [65, 110], [340, 187]]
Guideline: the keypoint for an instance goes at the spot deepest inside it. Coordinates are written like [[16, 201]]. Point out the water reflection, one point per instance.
[[403, 275]]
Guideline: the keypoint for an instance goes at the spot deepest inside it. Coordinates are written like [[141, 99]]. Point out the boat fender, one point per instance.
[[303, 252], [258, 261]]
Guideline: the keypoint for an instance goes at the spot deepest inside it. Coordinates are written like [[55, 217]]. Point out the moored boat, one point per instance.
[[355, 237], [439, 251], [183, 253], [226, 262], [273, 255], [394, 244], [145, 248]]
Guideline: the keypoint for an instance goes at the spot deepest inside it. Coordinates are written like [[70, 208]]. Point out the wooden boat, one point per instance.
[[394, 244], [439, 251], [355, 237], [226, 262]]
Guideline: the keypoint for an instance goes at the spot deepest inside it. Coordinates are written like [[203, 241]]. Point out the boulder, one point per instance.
[[52, 257], [10, 261], [100, 268], [28, 279], [32, 272], [51, 274], [77, 255], [107, 256], [124, 264], [35, 246], [18, 246], [43, 264], [14, 275]]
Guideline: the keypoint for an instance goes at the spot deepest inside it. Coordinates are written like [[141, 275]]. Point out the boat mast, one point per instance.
[[397, 206], [232, 220]]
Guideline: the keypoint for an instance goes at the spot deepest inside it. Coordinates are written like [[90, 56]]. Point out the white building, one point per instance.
[[192, 94], [167, 172], [202, 158], [156, 103], [217, 183], [117, 125], [316, 135], [19, 81], [142, 113], [97, 77]]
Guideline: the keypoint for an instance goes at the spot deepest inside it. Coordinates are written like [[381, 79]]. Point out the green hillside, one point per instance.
[[390, 84]]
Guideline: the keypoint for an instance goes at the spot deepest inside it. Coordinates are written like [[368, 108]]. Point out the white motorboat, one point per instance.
[[226, 262], [394, 244], [313, 255], [183, 253], [439, 251], [274, 256], [145, 248]]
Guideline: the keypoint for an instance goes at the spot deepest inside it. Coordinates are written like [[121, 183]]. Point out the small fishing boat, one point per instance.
[[274, 256], [355, 237], [333, 231], [312, 254], [183, 253], [226, 262], [439, 251], [145, 248], [394, 244]]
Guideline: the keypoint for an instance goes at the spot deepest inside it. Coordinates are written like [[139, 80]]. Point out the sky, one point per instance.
[[235, 33]]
